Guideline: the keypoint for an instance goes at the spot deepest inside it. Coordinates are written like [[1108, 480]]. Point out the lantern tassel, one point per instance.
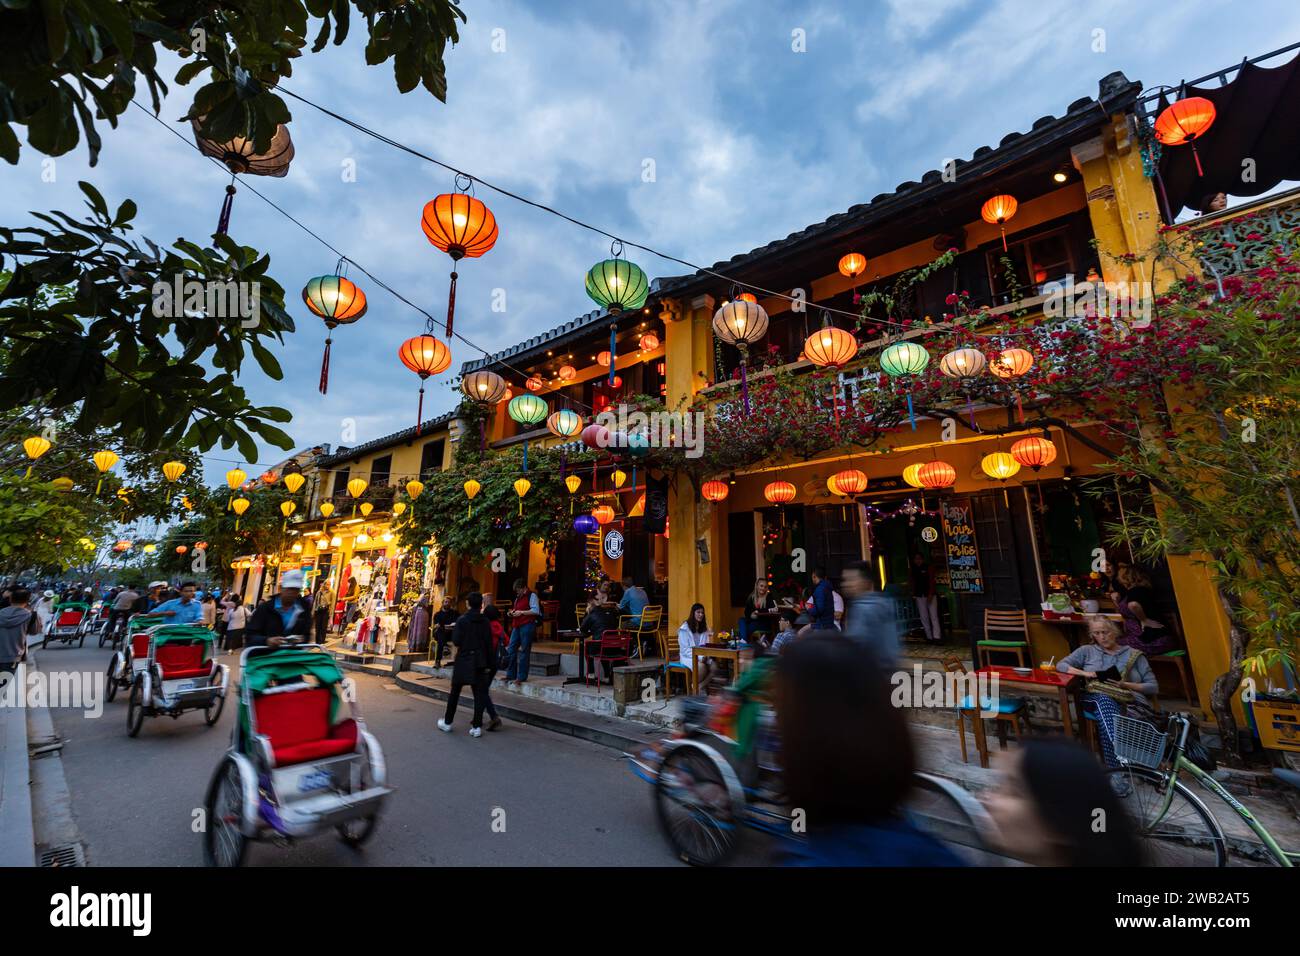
[[1004, 237], [451, 303], [525, 457], [910, 413], [223, 221], [1020, 408], [29, 472], [744, 387], [99, 486], [419, 412], [613, 351], [325, 367], [1197, 156]]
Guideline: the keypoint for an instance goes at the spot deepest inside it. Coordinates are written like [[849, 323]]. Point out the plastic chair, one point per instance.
[[612, 647], [1014, 622], [1010, 710]]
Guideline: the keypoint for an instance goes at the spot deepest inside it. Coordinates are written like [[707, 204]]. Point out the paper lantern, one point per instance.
[[293, 481], [521, 488], [461, 226], [567, 373], [147, 549], [187, 504], [296, 548], [35, 447], [201, 546], [904, 358], [1034, 452], [527, 409], [744, 297], [424, 355], [62, 484], [830, 347], [534, 384], [596, 436], [241, 157], [585, 524], [287, 508], [181, 549], [998, 211], [1012, 363], [337, 301], [326, 508], [619, 477], [963, 364], [565, 423], [235, 477], [471, 488], [240, 505], [649, 342], [413, 488], [937, 474], [779, 492], [715, 490], [483, 386], [603, 514], [740, 323], [399, 507], [849, 482], [617, 285], [852, 265], [602, 359], [999, 465], [173, 469], [356, 486], [366, 508], [910, 475], [1183, 122]]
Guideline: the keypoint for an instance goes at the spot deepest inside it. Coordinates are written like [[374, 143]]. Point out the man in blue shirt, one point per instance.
[[823, 599], [182, 610], [634, 600]]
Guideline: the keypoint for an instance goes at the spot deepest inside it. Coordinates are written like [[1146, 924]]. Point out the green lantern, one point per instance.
[[617, 285], [903, 359], [527, 409]]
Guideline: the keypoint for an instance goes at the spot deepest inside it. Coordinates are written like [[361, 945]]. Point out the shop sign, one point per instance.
[[614, 545], [964, 575]]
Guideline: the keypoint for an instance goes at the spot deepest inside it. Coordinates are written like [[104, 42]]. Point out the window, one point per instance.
[[1036, 262], [341, 481], [380, 470], [431, 458]]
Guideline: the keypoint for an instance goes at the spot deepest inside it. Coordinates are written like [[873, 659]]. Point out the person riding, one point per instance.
[[182, 610], [279, 618]]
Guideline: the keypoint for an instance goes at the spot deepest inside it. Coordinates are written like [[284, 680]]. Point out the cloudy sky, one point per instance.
[[566, 102]]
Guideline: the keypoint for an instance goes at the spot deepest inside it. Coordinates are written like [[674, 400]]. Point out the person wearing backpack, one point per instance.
[[17, 623]]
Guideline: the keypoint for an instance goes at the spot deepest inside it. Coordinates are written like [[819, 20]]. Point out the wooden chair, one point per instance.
[[1010, 711], [579, 612], [671, 651], [612, 647], [550, 619], [1005, 622]]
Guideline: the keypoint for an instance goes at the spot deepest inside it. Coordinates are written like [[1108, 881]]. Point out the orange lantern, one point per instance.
[[181, 549], [269, 477], [462, 227], [1183, 122], [830, 347], [603, 514], [603, 359], [1034, 452], [936, 474], [745, 297], [567, 373], [998, 211], [853, 265], [779, 492], [534, 383], [649, 342], [849, 482], [715, 490], [1012, 363], [424, 355]]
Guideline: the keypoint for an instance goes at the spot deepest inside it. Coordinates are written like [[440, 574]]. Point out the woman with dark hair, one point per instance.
[[1055, 806], [500, 640], [848, 758], [694, 632]]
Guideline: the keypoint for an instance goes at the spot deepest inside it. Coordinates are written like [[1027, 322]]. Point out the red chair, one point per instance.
[[182, 661], [297, 725], [613, 647]]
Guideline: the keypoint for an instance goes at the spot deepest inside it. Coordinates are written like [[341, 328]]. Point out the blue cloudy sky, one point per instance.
[[750, 141]]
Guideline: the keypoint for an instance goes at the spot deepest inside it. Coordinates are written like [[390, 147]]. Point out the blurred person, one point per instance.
[[285, 615], [472, 636], [848, 758], [500, 641], [1136, 601], [1120, 680], [442, 625], [45, 609], [1046, 805], [236, 622], [872, 617], [209, 611], [417, 632], [18, 623], [322, 607], [183, 609]]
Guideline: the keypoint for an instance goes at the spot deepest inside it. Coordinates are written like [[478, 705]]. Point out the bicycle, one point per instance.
[[1178, 829]]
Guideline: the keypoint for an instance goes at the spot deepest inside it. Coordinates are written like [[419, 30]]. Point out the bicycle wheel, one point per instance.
[[697, 805], [1187, 834], [950, 814]]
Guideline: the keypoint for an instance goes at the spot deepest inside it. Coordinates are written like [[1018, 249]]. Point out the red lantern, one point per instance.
[[849, 482], [744, 297], [998, 211], [715, 490], [424, 355], [595, 436], [649, 342], [534, 383], [1034, 452], [181, 549], [1185, 121], [852, 265], [936, 474], [779, 492], [603, 359], [462, 227], [603, 514]]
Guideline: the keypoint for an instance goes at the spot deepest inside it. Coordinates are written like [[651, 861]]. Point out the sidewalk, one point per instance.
[[17, 842]]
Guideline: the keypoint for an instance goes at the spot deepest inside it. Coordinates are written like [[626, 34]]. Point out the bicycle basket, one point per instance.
[[1138, 742]]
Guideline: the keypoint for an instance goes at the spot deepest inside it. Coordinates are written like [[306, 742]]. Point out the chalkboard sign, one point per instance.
[[964, 576]]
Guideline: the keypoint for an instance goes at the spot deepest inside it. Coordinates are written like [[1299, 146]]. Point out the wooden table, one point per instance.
[[718, 652], [1070, 625], [1038, 682]]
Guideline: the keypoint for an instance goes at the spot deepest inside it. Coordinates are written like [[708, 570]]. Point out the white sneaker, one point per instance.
[[474, 731], [444, 726]]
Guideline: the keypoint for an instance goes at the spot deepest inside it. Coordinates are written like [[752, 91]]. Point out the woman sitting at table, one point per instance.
[[1119, 680], [694, 632], [1136, 601], [600, 617], [759, 607]]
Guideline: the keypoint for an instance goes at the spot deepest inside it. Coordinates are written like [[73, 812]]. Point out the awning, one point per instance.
[[1257, 118]]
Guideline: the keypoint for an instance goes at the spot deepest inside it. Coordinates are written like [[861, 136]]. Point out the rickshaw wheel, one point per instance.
[[135, 707], [212, 713], [102, 635], [696, 811], [82, 641], [223, 843], [110, 681], [358, 831]]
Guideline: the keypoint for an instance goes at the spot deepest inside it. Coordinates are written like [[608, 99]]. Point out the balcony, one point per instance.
[[1240, 239]]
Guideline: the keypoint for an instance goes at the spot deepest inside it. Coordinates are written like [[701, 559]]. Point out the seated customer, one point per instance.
[[599, 619], [786, 631], [694, 632], [1120, 680], [757, 605]]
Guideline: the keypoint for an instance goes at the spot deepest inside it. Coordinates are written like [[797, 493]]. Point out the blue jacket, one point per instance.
[[893, 842], [823, 597]]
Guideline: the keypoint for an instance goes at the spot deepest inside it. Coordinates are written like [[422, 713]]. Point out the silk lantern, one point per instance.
[[424, 355], [34, 447], [461, 226], [241, 157], [779, 492], [103, 460], [741, 323], [715, 490], [173, 469], [1183, 122], [337, 301], [998, 211], [521, 488], [905, 360], [471, 488]]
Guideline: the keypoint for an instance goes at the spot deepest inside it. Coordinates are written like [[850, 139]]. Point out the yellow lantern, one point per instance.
[[413, 488], [240, 505], [173, 470], [471, 489], [187, 504], [150, 548], [103, 460], [235, 477], [573, 483], [62, 484], [398, 508], [366, 508], [910, 475], [297, 547], [355, 488], [521, 488], [287, 508], [293, 481], [35, 447], [619, 477], [326, 508], [999, 465]]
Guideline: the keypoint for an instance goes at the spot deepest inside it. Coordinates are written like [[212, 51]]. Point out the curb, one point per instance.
[[17, 834]]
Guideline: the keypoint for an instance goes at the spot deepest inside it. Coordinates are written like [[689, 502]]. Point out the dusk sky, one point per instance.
[[750, 141]]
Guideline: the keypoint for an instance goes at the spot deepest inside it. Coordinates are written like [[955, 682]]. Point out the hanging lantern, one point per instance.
[[471, 489], [902, 360], [617, 285], [201, 546], [1012, 363], [852, 265], [326, 509], [998, 211], [715, 490], [269, 477], [356, 486], [399, 508], [527, 410], [567, 373], [235, 477], [937, 474], [424, 355], [619, 477], [241, 157], [122, 545], [363, 537], [963, 364], [483, 386], [336, 542], [603, 514], [573, 483], [779, 492], [741, 323], [847, 483], [147, 549], [173, 470], [649, 342], [1183, 122], [366, 508], [565, 423], [521, 488], [1034, 452], [35, 447], [186, 503], [296, 548], [534, 384], [337, 301], [910, 475], [240, 505], [62, 484], [602, 360], [461, 226], [745, 297], [181, 549], [586, 524], [830, 347], [103, 460], [293, 481], [596, 436], [414, 487], [999, 465]]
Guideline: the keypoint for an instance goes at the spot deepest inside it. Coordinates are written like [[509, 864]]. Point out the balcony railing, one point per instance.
[[1241, 239]]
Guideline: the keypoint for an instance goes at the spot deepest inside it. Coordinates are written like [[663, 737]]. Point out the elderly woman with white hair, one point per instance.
[[1119, 679]]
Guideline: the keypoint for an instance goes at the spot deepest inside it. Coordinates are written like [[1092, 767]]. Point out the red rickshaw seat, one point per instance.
[[297, 724], [140, 646], [68, 619], [179, 661]]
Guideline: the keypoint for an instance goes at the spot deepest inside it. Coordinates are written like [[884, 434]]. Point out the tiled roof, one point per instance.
[[396, 438]]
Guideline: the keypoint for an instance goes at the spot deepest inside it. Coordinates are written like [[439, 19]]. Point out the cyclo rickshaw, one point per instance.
[[178, 674], [705, 793], [68, 624], [100, 612], [133, 656], [297, 763]]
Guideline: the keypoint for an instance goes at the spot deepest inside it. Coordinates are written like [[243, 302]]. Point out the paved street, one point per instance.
[[566, 801]]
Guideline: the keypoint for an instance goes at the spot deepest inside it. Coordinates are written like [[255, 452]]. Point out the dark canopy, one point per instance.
[[1257, 117]]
